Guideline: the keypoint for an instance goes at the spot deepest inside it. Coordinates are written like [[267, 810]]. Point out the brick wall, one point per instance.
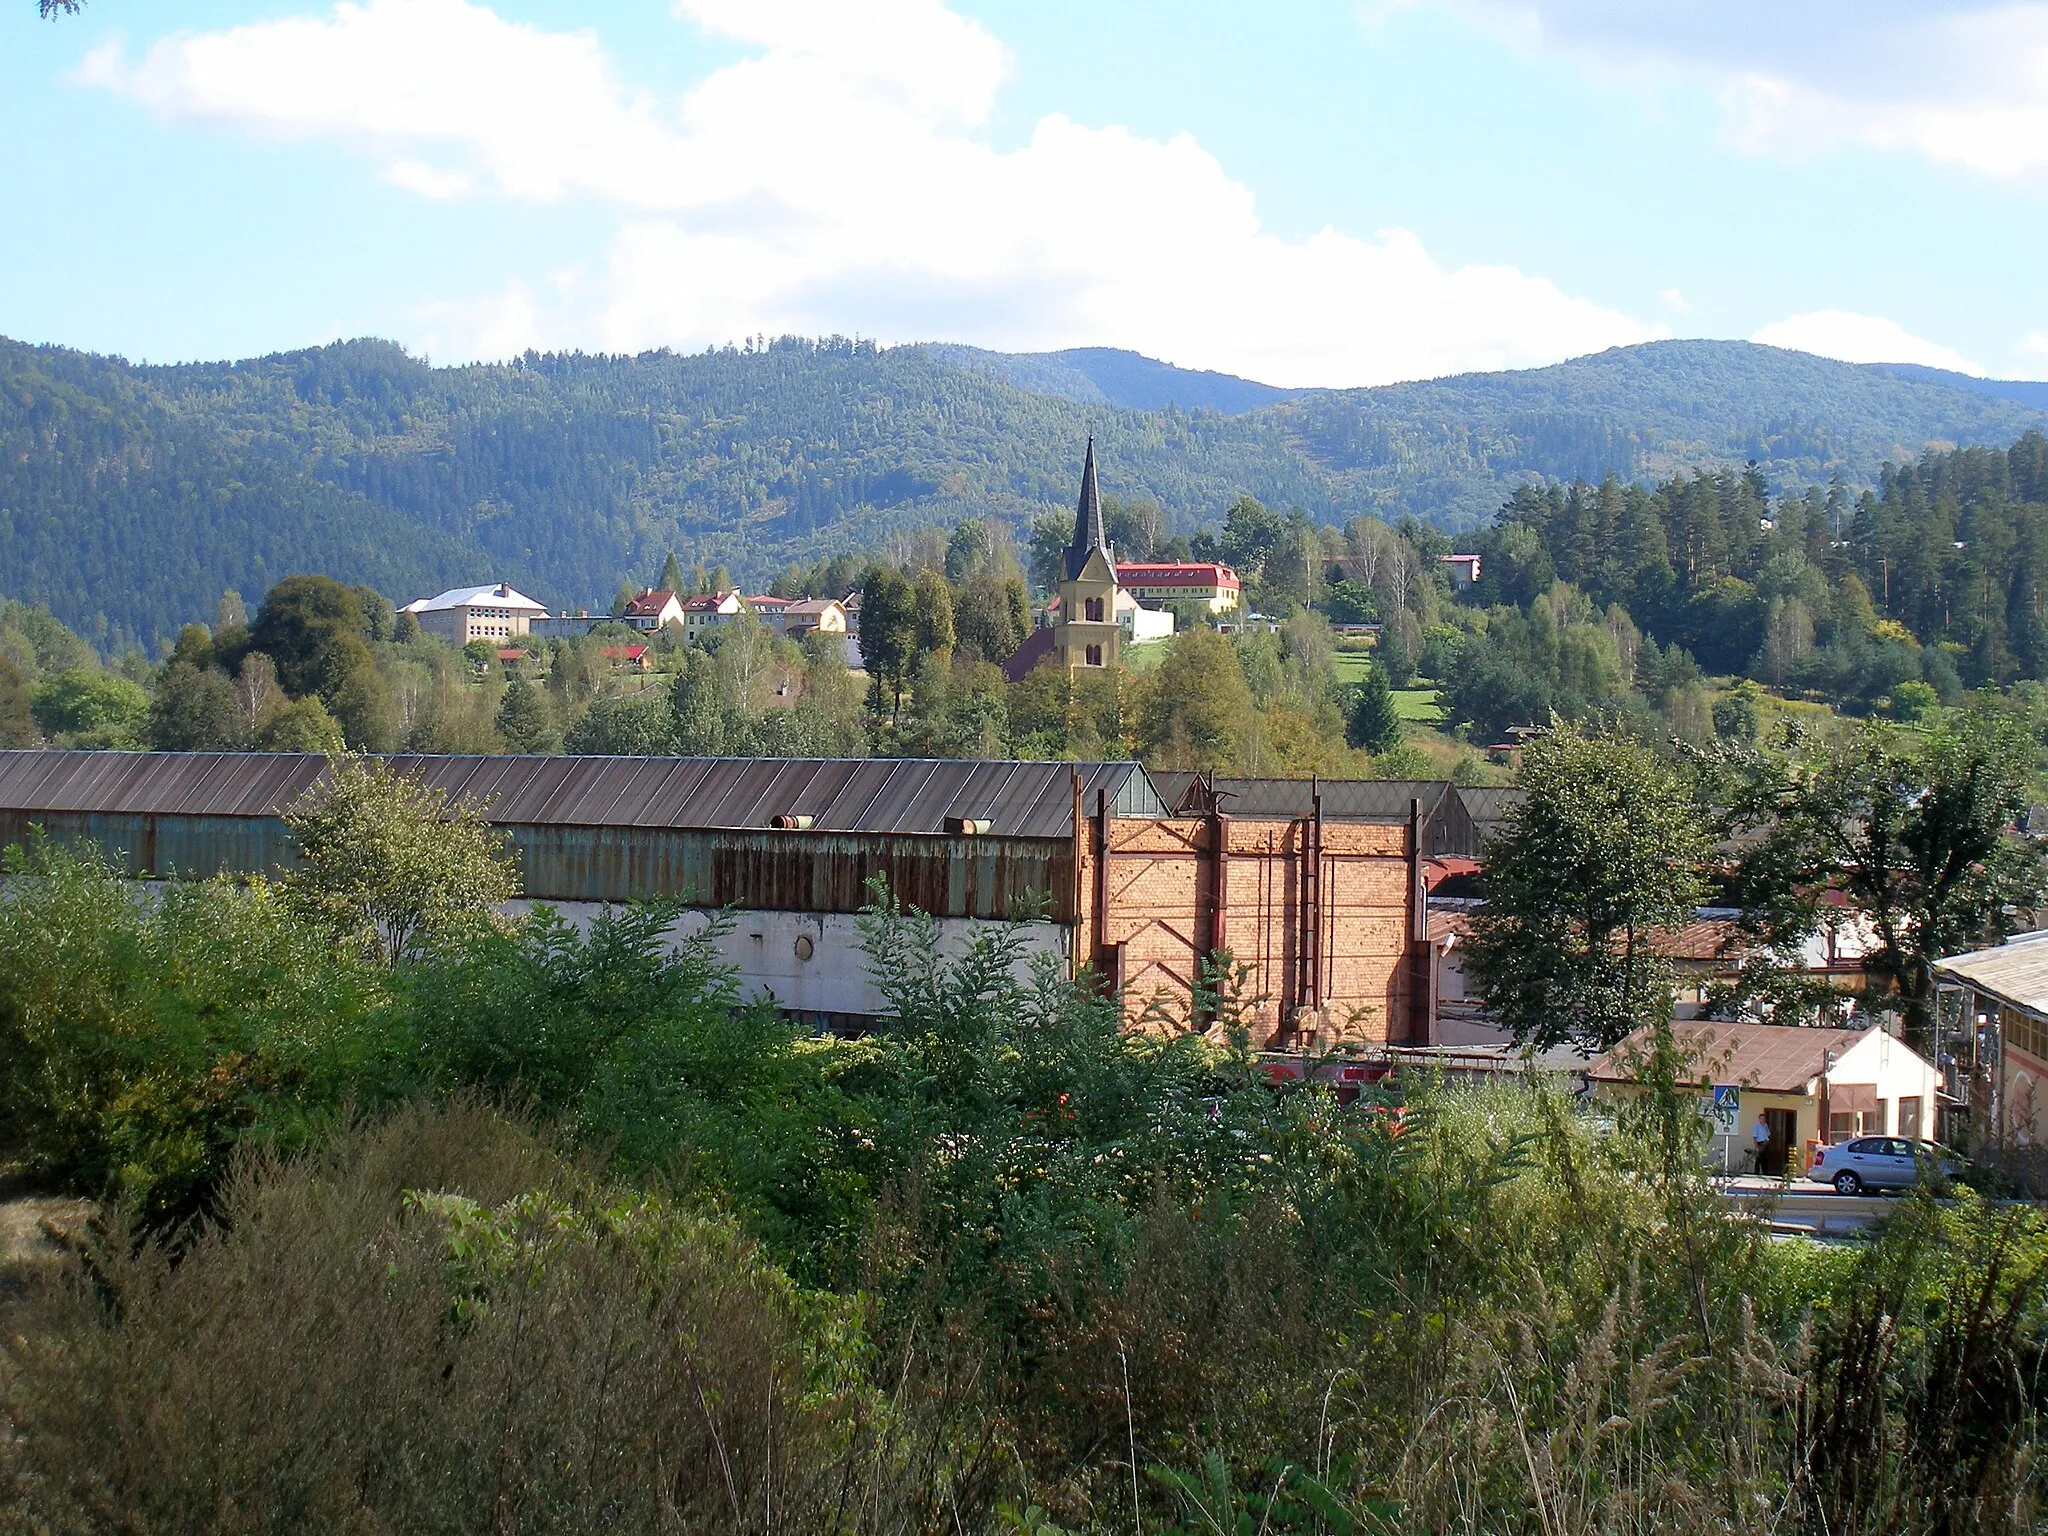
[[1349, 974]]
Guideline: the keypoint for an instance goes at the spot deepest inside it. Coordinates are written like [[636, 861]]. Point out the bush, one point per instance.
[[441, 1325]]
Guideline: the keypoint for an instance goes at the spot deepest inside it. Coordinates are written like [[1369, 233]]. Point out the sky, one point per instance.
[[1309, 192]]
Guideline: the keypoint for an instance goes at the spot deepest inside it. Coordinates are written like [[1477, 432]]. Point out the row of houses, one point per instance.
[[499, 613]]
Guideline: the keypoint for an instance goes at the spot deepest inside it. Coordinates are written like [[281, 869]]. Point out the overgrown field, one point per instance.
[[520, 1229]]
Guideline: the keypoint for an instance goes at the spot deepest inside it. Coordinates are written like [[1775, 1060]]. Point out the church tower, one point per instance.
[[1087, 634]]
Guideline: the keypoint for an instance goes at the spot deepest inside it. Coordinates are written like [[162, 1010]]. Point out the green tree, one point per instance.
[[391, 866], [1914, 830], [1251, 533], [969, 547], [17, 723], [1602, 856], [92, 709], [671, 576], [992, 617], [1197, 706], [1374, 726], [194, 710], [303, 623], [300, 726], [889, 630], [934, 606], [522, 717], [1393, 657], [1352, 602]]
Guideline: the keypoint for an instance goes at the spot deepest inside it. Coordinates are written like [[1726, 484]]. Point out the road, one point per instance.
[[1813, 1210]]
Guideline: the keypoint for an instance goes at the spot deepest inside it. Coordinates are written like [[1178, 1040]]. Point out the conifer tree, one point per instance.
[[1374, 726], [522, 717]]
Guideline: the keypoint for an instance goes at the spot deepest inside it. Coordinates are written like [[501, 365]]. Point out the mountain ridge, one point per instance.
[[130, 495]]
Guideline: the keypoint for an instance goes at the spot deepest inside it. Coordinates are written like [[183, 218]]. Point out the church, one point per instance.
[[1093, 614]]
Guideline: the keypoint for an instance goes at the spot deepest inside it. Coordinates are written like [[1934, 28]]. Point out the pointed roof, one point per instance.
[[1089, 534]]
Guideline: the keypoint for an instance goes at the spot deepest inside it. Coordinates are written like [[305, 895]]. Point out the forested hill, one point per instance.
[[131, 496], [1452, 448]]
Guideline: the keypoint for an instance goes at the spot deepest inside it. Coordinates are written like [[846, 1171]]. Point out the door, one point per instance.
[[1909, 1118], [1784, 1125]]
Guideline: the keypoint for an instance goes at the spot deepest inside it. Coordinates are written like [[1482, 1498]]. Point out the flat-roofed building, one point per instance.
[[463, 614], [1996, 1041], [1181, 581]]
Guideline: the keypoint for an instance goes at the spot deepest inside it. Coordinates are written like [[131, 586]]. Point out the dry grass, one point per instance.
[[438, 1325]]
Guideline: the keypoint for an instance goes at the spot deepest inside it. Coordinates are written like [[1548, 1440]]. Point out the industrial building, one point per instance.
[[1318, 888]]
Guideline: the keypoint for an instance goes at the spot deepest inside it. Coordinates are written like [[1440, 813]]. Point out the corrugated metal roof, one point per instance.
[[879, 795], [1490, 805], [1382, 800], [2017, 972], [1771, 1058]]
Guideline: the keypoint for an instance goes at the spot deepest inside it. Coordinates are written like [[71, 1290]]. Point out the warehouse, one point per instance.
[[1316, 887]]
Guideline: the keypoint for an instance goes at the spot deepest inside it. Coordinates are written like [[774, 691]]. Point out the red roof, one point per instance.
[[768, 602], [648, 604], [1177, 573], [701, 604], [624, 652], [511, 653], [1030, 654]]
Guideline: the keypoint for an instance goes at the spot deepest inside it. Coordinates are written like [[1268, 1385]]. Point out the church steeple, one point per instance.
[[1089, 534]]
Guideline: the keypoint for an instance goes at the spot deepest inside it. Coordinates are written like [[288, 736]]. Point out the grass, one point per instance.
[[1418, 705], [1351, 666]]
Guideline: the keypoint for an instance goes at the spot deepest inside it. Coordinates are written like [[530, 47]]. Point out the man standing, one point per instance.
[[1760, 1133]]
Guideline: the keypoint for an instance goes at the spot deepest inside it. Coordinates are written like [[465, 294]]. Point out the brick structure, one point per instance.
[[1324, 916]]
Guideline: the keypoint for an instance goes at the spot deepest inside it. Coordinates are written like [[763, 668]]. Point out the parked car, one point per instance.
[[1881, 1162]]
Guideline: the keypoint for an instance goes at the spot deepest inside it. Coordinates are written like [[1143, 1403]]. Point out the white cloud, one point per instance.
[[1675, 299], [1963, 83], [834, 180], [1860, 339]]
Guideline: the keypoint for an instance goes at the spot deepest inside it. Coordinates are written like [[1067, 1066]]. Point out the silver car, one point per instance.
[[1880, 1162]]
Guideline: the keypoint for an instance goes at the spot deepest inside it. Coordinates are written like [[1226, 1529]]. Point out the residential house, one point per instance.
[[814, 615], [1462, 569], [1809, 1085], [463, 614], [632, 658], [651, 610]]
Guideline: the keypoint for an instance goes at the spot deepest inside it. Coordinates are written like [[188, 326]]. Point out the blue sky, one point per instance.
[[1314, 193]]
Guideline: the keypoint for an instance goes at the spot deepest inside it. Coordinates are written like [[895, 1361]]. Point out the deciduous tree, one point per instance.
[[389, 864], [1603, 856]]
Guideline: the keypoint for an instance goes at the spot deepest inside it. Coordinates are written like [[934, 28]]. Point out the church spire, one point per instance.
[[1089, 534]]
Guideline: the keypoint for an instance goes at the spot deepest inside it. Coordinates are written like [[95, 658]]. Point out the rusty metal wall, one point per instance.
[[987, 877]]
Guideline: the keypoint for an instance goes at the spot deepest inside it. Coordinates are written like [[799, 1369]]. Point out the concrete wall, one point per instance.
[[811, 963]]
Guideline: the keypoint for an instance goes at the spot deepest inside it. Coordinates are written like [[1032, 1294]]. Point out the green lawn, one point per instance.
[[1417, 704], [1351, 666]]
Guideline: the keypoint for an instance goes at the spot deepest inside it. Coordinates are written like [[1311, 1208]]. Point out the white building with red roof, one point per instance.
[[1181, 581]]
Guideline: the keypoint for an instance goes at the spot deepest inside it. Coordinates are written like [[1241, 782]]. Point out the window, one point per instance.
[[1094, 655], [1909, 1118], [2025, 1032], [1093, 610], [1881, 1121]]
